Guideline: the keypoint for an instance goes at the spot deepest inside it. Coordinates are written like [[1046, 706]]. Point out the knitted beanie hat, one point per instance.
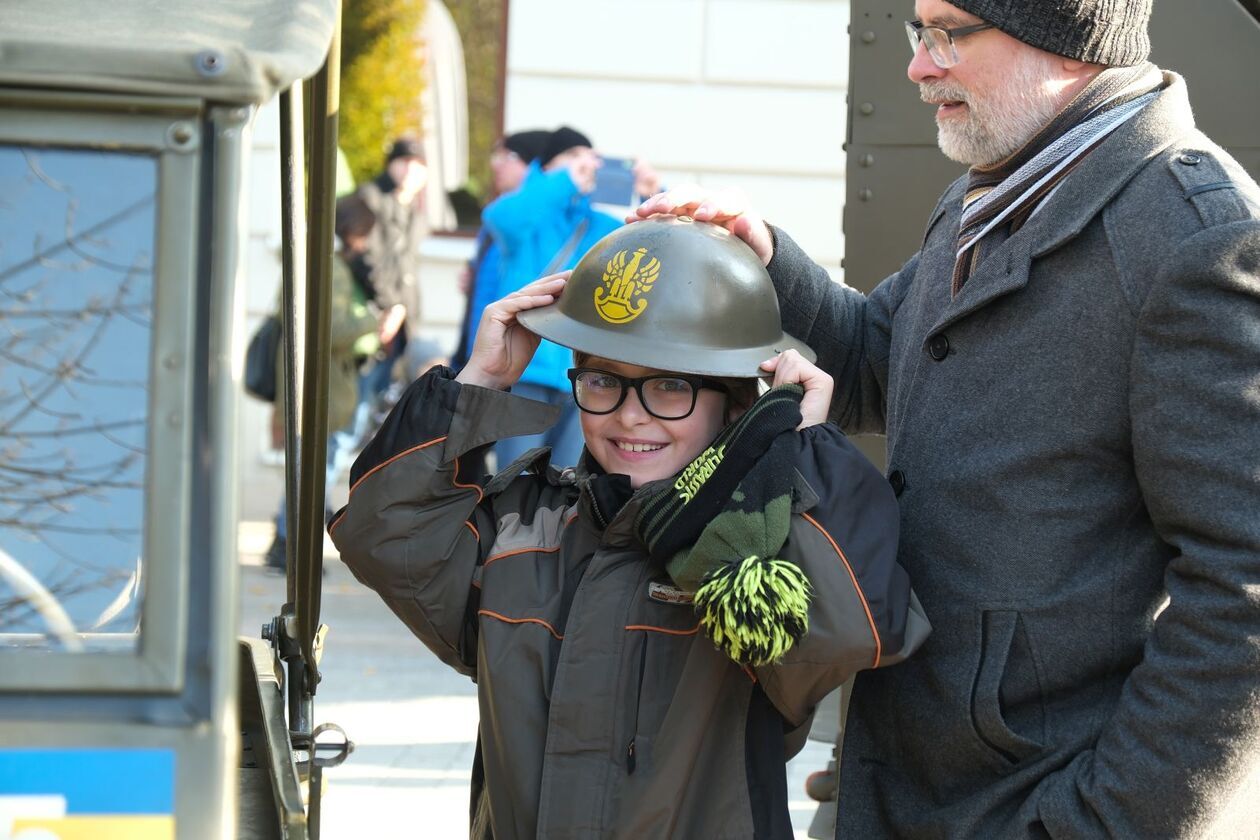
[[405, 147], [561, 140], [527, 145], [1111, 32]]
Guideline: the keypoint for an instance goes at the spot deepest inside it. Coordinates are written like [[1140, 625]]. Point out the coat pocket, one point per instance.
[[1006, 700]]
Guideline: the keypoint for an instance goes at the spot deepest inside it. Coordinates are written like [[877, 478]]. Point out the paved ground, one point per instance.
[[412, 718]]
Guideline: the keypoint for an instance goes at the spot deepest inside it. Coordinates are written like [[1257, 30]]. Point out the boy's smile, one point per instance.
[[631, 442]]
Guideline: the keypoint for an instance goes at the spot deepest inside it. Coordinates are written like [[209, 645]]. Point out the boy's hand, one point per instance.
[[503, 347], [727, 208], [791, 367]]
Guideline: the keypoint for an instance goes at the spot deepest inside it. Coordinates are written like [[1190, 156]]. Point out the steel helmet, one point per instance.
[[670, 293]]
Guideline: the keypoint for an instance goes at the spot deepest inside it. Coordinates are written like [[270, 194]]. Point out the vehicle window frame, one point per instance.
[[170, 130]]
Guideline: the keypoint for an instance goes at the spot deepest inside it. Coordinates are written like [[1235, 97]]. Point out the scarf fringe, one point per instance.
[[756, 609]]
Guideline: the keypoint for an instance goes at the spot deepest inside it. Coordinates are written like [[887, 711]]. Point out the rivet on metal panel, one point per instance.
[[181, 134], [211, 63], [868, 37], [171, 361], [866, 109], [866, 195], [867, 160]]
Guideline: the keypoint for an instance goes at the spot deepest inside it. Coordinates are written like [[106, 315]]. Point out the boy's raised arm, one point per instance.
[[415, 528]]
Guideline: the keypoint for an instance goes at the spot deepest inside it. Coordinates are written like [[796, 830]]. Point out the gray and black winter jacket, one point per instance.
[[605, 711]]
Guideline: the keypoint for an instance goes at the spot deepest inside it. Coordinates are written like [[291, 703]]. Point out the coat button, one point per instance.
[[1190, 159], [938, 346], [898, 481]]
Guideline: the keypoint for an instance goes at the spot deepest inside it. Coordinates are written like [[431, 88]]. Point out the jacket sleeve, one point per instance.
[[863, 613], [1186, 732], [417, 525], [348, 320], [513, 218], [851, 332]]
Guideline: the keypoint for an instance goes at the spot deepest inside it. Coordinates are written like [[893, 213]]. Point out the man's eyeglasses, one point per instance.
[[939, 41], [665, 397]]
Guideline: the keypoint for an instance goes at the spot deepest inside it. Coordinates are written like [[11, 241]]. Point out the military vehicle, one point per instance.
[[128, 706]]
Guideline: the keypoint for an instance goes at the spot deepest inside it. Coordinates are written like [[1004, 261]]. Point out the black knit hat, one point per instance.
[[561, 140], [405, 147], [527, 145], [1112, 32]]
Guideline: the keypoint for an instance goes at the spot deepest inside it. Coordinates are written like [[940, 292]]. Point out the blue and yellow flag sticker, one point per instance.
[[87, 794]]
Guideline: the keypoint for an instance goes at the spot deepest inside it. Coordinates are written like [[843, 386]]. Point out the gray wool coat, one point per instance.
[[1075, 440]]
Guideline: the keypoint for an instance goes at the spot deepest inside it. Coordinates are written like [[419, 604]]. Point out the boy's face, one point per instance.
[[664, 446]]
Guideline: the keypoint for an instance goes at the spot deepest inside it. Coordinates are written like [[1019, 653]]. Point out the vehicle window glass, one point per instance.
[[77, 232]]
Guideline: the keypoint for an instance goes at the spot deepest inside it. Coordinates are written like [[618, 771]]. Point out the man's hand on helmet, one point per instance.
[[728, 208]]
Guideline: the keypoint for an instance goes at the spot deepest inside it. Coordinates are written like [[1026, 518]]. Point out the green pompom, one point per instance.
[[756, 609]]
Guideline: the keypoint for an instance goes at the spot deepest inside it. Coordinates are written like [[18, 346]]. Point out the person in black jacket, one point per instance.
[[388, 269]]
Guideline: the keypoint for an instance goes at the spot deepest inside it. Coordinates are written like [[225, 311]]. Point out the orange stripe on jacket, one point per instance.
[[861, 595], [550, 629], [404, 453], [539, 548], [647, 627], [480, 494]]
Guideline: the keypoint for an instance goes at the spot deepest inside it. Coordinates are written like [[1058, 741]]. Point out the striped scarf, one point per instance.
[[1001, 198]]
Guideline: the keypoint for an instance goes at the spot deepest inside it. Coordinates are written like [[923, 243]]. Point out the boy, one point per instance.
[[651, 630]]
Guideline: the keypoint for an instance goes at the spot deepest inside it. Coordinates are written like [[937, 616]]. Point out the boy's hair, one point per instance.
[[353, 217], [741, 393]]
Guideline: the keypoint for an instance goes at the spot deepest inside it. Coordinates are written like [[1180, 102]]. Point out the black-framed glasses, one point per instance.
[[940, 41], [664, 396]]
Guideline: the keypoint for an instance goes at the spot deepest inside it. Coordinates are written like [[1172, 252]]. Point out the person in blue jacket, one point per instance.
[[509, 163], [542, 228]]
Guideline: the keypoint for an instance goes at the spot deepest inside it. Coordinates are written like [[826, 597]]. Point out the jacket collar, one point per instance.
[[600, 491], [1078, 200], [1105, 172]]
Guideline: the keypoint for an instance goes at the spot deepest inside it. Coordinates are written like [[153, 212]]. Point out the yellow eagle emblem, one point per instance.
[[626, 280]]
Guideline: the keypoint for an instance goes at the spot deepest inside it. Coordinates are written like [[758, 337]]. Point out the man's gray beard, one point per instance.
[[1001, 121]]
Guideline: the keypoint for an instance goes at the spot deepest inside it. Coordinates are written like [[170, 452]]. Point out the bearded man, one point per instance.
[[1068, 372]]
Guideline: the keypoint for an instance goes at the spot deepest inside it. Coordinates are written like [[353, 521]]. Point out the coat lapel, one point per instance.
[[1080, 198], [1000, 273]]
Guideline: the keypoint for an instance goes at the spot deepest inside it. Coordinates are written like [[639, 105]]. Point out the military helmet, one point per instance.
[[670, 293]]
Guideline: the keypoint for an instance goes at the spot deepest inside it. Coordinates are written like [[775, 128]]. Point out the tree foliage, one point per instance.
[[382, 75]]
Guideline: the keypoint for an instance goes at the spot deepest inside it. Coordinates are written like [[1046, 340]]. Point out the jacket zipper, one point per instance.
[[631, 761]]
